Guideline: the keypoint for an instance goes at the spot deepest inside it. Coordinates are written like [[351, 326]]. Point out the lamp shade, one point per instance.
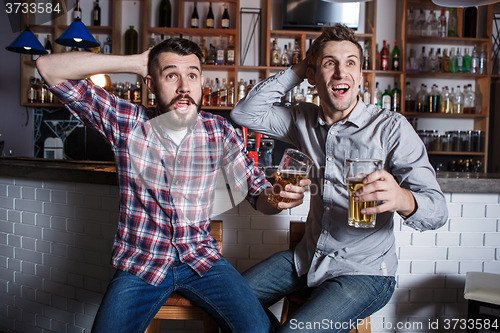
[[77, 35], [27, 43]]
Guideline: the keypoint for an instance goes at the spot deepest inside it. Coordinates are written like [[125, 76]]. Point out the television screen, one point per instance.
[[314, 14]]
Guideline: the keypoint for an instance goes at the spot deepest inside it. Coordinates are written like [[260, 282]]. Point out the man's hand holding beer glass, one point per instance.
[[381, 186]]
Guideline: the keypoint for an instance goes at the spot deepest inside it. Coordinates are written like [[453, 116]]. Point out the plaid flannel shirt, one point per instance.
[[166, 192]]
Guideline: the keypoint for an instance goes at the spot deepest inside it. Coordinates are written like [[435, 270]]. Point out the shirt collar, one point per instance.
[[356, 117]]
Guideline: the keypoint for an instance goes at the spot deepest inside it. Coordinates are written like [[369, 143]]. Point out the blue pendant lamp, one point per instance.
[[27, 43], [77, 35]]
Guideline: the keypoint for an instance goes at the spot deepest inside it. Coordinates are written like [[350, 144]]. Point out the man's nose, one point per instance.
[[183, 86]]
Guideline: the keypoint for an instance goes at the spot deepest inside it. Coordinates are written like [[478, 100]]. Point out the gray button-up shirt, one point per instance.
[[330, 247]]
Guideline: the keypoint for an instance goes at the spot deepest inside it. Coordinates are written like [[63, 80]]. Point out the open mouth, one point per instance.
[[340, 89], [182, 105]]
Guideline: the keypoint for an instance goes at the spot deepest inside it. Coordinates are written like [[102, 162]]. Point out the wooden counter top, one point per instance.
[[96, 172]]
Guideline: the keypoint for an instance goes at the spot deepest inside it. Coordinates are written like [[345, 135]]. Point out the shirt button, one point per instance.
[[329, 159], [325, 232], [327, 182], [318, 251], [327, 208]]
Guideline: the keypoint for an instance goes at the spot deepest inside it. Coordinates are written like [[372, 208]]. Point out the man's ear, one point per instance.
[[310, 75], [150, 83]]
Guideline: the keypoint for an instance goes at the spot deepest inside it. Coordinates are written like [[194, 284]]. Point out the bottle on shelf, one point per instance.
[[223, 93], [452, 23], [127, 91], [225, 18], [151, 98], [474, 61], [422, 99], [209, 22], [458, 101], [483, 60], [442, 24], [453, 61], [432, 25], [445, 66], [366, 57], [466, 62], [165, 14], [131, 41], [395, 57], [469, 100], [77, 13], [387, 99], [211, 55], [446, 101], [48, 44], [137, 93], [195, 18], [420, 23], [285, 57], [207, 93], [377, 57], [215, 93], [422, 61], [410, 98], [204, 52], [241, 90], [32, 98], [396, 98], [96, 14], [410, 22], [470, 22], [439, 58], [434, 99], [230, 51], [249, 87], [412, 64], [230, 94], [366, 94], [377, 96], [459, 61], [433, 64], [275, 54], [220, 53], [296, 54], [384, 57]]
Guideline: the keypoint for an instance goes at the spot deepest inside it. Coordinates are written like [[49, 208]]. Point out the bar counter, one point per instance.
[[97, 172]]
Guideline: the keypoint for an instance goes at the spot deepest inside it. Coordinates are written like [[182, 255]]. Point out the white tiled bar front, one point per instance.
[[56, 237]]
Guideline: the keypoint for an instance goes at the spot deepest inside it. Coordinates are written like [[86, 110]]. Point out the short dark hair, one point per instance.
[[180, 46], [338, 32]]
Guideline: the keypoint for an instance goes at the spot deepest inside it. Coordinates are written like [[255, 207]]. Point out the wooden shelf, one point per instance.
[[443, 115], [454, 153]]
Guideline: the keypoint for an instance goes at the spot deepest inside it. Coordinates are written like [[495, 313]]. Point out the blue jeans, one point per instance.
[[130, 304], [334, 306]]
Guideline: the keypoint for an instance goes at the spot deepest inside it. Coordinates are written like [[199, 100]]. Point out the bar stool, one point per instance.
[[293, 301], [482, 290], [179, 308]]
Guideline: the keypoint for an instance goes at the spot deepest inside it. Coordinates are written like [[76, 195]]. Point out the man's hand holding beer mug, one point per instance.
[[369, 184]]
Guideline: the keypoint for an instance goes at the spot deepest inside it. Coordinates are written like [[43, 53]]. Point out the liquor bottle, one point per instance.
[[241, 90], [195, 19], [285, 57], [225, 18], [396, 98], [422, 99], [410, 98], [410, 22], [482, 60], [453, 61], [77, 13], [32, 90], [446, 102], [432, 25], [204, 52], [230, 51], [127, 91], [310, 96], [377, 96], [466, 64], [460, 61], [96, 14], [442, 24], [422, 61], [209, 22], [366, 57], [48, 45], [230, 94], [452, 23], [421, 23], [151, 98], [412, 64], [395, 57], [249, 87], [215, 93], [432, 61], [106, 46], [275, 54], [165, 14], [470, 21], [223, 93], [220, 54], [446, 61], [366, 94], [439, 58], [384, 57], [131, 41], [469, 100], [434, 99], [207, 93], [458, 102], [137, 93], [387, 99], [377, 57], [296, 56], [211, 55]]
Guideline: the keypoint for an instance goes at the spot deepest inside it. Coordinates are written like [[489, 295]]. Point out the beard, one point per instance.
[[175, 120]]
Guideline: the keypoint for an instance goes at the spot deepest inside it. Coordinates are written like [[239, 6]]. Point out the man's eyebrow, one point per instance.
[[175, 66]]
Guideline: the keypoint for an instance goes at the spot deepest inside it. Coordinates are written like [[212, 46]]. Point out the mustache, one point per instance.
[[179, 97]]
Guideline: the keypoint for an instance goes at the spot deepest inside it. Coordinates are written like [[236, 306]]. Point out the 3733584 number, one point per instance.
[[454, 324], [32, 7]]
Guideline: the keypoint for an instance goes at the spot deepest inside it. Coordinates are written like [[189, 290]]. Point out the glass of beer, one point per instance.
[[293, 167], [357, 169]]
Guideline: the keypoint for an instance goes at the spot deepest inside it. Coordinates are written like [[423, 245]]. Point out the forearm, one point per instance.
[[264, 206], [60, 67]]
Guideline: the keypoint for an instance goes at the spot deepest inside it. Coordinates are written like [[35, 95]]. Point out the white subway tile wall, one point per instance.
[[56, 238]]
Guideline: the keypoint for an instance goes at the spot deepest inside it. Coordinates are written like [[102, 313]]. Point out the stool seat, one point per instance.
[[482, 287]]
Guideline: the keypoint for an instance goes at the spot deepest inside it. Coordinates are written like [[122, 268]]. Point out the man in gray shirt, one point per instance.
[[350, 271]]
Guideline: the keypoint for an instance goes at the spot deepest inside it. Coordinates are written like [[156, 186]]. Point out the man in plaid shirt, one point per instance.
[[168, 162]]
